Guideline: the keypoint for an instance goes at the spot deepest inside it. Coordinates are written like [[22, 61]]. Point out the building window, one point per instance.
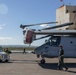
[[66, 11], [74, 11]]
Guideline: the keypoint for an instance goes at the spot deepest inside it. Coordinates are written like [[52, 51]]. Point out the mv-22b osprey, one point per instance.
[[50, 48]]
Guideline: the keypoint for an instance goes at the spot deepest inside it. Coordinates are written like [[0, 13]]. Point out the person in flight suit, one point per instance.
[[61, 59]]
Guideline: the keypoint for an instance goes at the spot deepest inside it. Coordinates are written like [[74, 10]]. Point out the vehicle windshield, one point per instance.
[[1, 50]]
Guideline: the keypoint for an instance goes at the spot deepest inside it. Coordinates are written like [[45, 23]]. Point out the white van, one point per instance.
[[4, 57]]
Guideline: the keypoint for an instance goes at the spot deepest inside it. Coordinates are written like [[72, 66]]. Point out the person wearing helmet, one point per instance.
[[61, 59]]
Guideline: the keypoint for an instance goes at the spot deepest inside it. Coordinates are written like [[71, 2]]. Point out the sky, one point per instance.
[[16, 12]]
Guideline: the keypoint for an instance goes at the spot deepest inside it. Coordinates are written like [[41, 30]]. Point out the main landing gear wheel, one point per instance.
[[42, 61]]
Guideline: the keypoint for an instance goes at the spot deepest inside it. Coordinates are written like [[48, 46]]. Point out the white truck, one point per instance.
[[4, 57]]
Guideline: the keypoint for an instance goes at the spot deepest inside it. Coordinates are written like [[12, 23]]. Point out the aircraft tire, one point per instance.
[[42, 61]]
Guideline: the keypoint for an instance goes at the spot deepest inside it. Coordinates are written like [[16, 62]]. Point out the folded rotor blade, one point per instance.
[[23, 26], [62, 25]]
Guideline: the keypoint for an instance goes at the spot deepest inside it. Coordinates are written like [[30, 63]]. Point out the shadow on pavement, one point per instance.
[[25, 61], [54, 66]]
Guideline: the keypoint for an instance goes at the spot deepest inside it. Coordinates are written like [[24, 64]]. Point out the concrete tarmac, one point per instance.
[[28, 64]]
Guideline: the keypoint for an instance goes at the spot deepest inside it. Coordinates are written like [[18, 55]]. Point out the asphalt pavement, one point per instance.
[[28, 64]]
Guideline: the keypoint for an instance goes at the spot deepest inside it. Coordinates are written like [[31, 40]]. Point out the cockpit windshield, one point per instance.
[[55, 40]]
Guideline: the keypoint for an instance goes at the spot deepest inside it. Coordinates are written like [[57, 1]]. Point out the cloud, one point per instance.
[[2, 25], [3, 9], [44, 25], [5, 38]]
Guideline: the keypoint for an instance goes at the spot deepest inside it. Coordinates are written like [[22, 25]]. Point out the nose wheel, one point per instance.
[[42, 61]]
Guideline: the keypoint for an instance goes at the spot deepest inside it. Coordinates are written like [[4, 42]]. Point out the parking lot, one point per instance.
[[28, 64]]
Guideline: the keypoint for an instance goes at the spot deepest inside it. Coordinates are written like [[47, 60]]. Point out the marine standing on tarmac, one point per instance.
[[61, 59]]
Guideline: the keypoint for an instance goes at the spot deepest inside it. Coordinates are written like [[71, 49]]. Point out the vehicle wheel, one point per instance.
[[6, 60], [42, 61], [0, 60]]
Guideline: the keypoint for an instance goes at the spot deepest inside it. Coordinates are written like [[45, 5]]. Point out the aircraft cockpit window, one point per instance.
[[55, 41]]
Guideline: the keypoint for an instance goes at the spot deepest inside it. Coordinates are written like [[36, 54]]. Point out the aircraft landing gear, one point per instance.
[[38, 55], [42, 61]]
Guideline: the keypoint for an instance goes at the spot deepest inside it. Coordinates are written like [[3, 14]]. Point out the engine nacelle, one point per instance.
[[29, 36]]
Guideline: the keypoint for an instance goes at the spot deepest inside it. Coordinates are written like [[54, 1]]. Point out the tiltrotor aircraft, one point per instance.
[[50, 48]]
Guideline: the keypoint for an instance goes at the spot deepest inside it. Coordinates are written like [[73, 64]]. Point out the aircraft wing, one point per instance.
[[56, 32]]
